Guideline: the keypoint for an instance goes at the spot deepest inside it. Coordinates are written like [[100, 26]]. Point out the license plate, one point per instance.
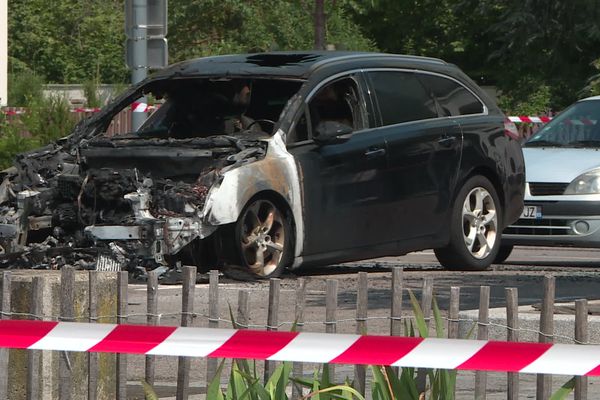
[[532, 212]]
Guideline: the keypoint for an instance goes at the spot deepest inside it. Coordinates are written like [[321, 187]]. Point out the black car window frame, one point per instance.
[[303, 111]]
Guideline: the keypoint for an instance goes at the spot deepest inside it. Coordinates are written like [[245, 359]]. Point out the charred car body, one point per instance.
[[274, 160]]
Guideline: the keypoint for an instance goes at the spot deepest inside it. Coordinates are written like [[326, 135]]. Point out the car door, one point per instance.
[[423, 154], [341, 180]]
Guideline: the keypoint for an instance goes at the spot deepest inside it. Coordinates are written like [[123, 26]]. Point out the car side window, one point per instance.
[[401, 97], [453, 98], [338, 101]]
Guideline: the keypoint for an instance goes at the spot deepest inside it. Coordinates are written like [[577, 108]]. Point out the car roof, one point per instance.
[[291, 64]]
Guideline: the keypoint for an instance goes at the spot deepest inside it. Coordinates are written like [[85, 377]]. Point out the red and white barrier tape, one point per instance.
[[531, 120], [459, 354], [135, 107], [141, 107]]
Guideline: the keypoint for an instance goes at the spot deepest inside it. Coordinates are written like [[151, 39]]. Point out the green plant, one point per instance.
[[23, 87], [90, 92], [48, 118], [149, 393], [14, 139]]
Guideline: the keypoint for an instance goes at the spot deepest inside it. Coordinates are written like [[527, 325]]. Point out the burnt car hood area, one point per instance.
[[270, 161]]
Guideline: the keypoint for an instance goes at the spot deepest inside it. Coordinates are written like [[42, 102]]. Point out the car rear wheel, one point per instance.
[[260, 241], [474, 227], [503, 253]]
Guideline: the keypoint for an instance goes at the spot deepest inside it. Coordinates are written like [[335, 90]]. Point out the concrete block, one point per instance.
[[50, 309]]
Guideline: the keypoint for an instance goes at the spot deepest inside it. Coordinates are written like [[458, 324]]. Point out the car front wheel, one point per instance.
[[260, 240], [474, 227]]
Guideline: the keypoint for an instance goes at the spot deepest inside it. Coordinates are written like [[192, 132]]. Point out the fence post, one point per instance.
[[151, 319], [362, 299], [187, 309], [272, 318], [243, 314], [426, 300], [544, 381], [33, 362], [582, 337], [300, 301], [331, 305], [122, 278], [482, 334], [512, 335], [5, 312], [453, 311], [213, 318], [67, 313], [92, 357], [396, 317]]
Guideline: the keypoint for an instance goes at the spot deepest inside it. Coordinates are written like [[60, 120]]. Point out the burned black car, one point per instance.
[[274, 160]]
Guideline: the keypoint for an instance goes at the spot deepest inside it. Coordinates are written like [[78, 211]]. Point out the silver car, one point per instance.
[[562, 197]]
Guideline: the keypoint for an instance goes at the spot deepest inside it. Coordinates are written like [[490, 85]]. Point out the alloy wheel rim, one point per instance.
[[479, 222], [262, 237]]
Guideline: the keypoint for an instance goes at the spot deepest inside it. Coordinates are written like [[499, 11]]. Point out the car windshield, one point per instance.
[[577, 126], [217, 106]]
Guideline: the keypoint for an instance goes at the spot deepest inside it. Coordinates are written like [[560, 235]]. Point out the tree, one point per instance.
[[208, 27], [519, 46], [68, 41]]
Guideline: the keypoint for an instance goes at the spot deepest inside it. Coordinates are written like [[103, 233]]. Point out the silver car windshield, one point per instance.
[[577, 126]]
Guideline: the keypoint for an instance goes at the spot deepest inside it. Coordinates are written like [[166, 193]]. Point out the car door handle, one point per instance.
[[447, 141], [374, 152]]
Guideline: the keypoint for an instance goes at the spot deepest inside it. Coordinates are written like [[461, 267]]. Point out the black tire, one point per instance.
[[474, 243], [503, 253], [262, 230]]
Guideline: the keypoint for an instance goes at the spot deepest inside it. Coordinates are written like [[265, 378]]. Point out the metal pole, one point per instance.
[[3, 52], [140, 53]]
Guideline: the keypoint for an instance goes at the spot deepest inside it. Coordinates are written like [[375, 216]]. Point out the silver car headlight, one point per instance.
[[588, 183]]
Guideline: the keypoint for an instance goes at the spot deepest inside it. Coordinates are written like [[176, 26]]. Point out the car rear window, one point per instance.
[[453, 98]]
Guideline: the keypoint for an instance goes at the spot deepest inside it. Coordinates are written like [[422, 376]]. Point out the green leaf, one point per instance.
[[564, 390], [213, 391], [342, 388], [149, 393], [278, 381], [419, 317], [237, 384], [380, 390], [439, 322], [408, 384]]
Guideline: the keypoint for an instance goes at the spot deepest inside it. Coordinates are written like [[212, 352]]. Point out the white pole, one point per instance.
[[3, 52]]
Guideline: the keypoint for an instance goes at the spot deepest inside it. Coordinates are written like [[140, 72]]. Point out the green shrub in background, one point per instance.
[[537, 101], [46, 119], [90, 92], [23, 87], [592, 87]]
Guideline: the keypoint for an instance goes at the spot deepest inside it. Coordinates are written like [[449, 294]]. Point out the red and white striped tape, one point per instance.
[[141, 107], [531, 120], [459, 354], [135, 107]]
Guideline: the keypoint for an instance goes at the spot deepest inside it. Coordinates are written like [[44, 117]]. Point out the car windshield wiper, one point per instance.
[[585, 143], [543, 143]]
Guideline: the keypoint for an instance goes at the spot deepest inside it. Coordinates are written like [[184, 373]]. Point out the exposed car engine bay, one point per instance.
[[134, 201]]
